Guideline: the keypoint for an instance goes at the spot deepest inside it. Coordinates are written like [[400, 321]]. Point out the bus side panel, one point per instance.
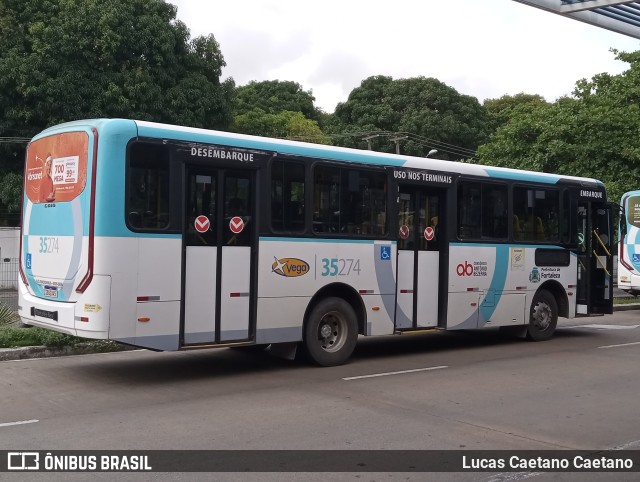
[[495, 285], [157, 323], [118, 257], [292, 271], [149, 268]]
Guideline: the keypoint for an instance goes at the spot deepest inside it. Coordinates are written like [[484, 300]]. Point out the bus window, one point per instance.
[[494, 211], [287, 196], [469, 210], [349, 201], [148, 187], [537, 212], [482, 211]]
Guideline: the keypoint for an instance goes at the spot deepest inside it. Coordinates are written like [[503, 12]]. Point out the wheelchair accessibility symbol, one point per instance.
[[385, 253]]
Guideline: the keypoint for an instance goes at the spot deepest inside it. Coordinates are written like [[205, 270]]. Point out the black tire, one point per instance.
[[543, 318], [330, 332]]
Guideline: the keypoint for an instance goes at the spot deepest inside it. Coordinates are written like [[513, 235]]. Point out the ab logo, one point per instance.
[[465, 269]]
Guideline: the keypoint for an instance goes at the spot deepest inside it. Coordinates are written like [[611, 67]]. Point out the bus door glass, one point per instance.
[[595, 262], [219, 235], [418, 259]]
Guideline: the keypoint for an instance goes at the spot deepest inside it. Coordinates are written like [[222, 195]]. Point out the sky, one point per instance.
[[482, 48]]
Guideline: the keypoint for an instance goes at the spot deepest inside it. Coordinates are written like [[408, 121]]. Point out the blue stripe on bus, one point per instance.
[[321, 240], [497, 284], [523, 176], [510, 245]]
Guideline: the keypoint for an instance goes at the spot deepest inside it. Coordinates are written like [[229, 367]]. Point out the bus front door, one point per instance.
[[218, 239], [418, 259], [594, 293]]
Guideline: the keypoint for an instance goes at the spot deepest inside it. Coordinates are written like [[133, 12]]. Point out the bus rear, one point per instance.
[[629, 244], [59, 290]]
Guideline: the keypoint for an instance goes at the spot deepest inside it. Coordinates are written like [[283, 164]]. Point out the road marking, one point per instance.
[[605, 327], [395, 373], [22, 422], [511, 476], [628, 446], [622, 344]]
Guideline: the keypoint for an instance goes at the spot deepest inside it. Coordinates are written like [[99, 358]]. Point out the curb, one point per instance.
[[627, 307], [30, 352]]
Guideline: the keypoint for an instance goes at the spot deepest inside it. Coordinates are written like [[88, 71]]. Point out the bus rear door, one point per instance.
[[219, 237]]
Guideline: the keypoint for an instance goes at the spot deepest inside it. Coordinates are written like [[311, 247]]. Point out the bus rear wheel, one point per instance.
[[331, 332], [543, 318]]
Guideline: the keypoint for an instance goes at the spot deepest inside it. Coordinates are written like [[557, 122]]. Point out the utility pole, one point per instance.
[[397, 141], [368, 139]]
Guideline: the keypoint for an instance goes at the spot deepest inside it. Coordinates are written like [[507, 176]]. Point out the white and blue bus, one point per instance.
[[176, 238], [629, 243]]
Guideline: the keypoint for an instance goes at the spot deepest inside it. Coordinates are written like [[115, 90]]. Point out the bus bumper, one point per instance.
[[88, 317]]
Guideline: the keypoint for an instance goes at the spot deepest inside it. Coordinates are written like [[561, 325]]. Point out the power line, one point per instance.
[[424, 141]]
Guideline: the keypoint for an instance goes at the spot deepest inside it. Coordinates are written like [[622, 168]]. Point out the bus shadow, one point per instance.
[[158, 368], [148, 368], [450, 341]]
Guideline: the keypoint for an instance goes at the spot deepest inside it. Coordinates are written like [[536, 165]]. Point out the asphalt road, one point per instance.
[[471, 390]]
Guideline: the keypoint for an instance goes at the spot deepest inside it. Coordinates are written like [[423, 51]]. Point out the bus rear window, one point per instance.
[[56, 168], [148, 187]]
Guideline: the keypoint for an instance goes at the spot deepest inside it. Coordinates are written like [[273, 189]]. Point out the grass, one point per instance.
[[14, 336], [625, 300]]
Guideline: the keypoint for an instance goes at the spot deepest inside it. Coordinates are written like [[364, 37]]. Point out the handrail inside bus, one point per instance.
[[606, 250]]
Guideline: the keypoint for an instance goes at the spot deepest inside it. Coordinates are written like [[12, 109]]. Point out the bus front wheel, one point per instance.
[[543, 318], [331, 332]]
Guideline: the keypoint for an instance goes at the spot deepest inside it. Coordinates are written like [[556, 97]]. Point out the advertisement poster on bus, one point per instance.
[[56, 168], [633, 211]]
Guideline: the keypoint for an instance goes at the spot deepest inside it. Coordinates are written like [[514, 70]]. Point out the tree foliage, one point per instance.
[[274, 97], [595, 133], [71, 59], [284, 125], [502, 109], [435, 115]]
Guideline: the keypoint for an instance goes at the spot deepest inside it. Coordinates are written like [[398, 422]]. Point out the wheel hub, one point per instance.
[[542, 316], [325, 331]]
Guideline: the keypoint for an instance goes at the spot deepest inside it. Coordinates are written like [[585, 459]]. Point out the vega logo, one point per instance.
[[290, 267]]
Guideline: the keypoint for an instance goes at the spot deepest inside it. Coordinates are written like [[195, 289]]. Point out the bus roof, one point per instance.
[[305, 149]]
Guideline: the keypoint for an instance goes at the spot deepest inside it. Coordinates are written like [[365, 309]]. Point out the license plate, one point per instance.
[[51, 291], [52, 315]]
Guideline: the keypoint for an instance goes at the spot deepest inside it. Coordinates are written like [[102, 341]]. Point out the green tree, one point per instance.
[[275, 96], [432, 114], [595, 133], [502, 109], [284, 125], [72, 59]]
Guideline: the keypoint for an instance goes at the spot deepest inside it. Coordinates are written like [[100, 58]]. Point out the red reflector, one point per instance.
[[234, 295], [144, 319], [143, 298], [84, 318]]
